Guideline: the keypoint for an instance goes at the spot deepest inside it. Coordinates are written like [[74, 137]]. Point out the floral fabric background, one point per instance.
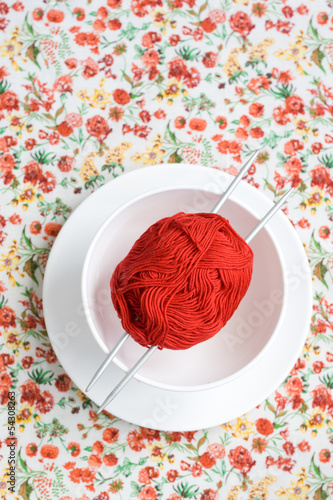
[[93, 88]]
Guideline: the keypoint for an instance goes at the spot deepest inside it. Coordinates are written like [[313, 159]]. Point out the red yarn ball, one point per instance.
[[182, 280]]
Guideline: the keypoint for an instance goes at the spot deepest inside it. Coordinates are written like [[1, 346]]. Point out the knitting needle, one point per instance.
[[269, 214], [105, 363], [151, 350], [235, 182], [219, 204]]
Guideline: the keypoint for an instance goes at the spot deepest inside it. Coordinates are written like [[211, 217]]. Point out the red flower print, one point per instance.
[[295, 105], [37, 14], [98, 447], [259, 445], [256, 109], [210, 59], [291, 147], [150, 58], [7, 162], [209, 495], [30, 143], [114, 4], [33, 172], [30, 392], [94, 461], [160, 114], [322, 18], [304, 446], [35, 227], [64, 129], [217, 16], [174, 39], [45, 403], [55, 16], [64, 84], [66, 163], [147, 493], [148, 473], [172, 475], [9, 101], [324, 232], [285, 464], [150, 38], [216, 450], [79, 13], [110, 460], [324, 455], [318, 366], [241, 134], [244, 121], [256, 83], [110, 435], [241, 23], [316, 147], [98, 127], [135, 441], [264, 426], [114, 25], [31, 449], [26, 362], [63, 382], [122, 97], [294, 386], [302, 9], [47, 182], [289, 448], [145, 116], [71, 63], [256, 133], [293, 166], [7, 317], [287, 12], [222, 121], [208, 25], [196, 469], [15, 219], [320, 177], [192, 78], [180, 122], [102, 12], [18, 6], [90, 68], [49, 451], [207, 460], [280, 115], [198, 124], [322, 397], [241, 459], [177, 68], [74, 448], [99, 26]]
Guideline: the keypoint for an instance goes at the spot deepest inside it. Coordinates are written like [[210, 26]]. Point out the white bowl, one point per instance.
[[242, 341]]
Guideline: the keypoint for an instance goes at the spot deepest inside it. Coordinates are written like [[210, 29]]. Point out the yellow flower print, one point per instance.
[[24, 414], [88, 168], [15, 122], [232, 65], [9, 262], [82, 94], [301, 126], [297, 491], [159, 19], [317, 419], [259, 51], [172, 90], [234, 492], [28, 194], [243, 428], [152, 156], [100, 99], [156, 452], [316, 197], [296, 52], [12, 338]]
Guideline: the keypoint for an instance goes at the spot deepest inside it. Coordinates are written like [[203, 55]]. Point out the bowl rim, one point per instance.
[[144, 379]]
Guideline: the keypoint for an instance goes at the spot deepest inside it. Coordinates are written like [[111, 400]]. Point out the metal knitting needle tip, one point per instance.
[[269, 214], [127, 378], [235, 182], [108, 360]]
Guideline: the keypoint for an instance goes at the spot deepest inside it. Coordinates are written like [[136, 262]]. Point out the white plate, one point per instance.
[[138, 402]]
